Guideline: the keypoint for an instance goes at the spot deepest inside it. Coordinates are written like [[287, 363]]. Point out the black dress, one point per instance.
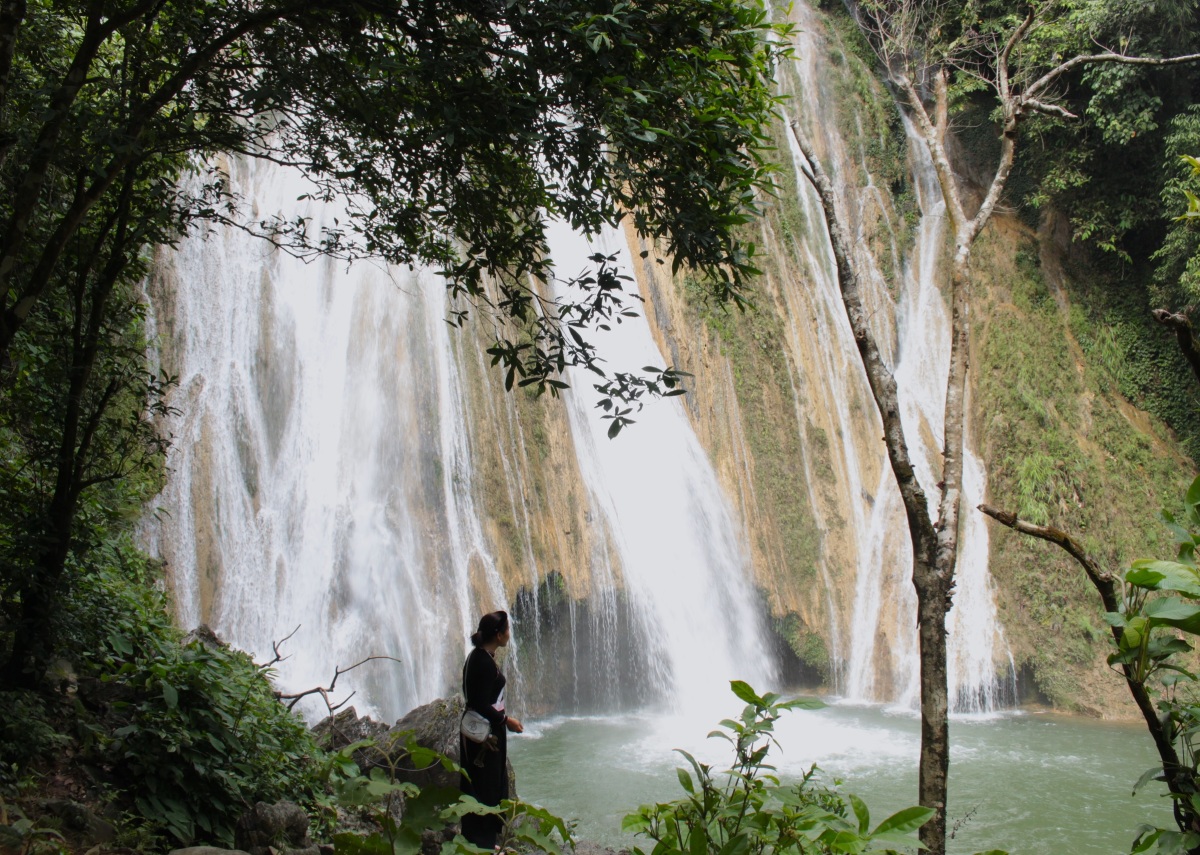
[[487, 767]]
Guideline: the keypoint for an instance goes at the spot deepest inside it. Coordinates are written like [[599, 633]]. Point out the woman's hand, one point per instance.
[[513, 725]]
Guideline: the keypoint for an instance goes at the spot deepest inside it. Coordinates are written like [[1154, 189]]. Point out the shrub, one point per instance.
[[748, 810]]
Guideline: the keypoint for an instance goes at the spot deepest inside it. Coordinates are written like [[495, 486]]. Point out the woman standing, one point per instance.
[[486, 762]]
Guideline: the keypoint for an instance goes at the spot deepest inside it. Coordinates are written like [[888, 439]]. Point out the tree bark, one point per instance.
[[931, 585], [40, 593], [1184, 335]]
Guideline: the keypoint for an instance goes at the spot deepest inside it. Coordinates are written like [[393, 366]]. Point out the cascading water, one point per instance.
[[320, 475], [881, 662], [922, 364], [682, 559], [323, 475]]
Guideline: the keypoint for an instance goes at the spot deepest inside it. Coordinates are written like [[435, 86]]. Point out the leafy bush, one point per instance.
[[26, 732], [751, 813], [192, 734], [403, 812], [207, 738]]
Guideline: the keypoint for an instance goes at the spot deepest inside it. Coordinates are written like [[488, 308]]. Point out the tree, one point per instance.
[[930, 53], [1144, 633], [455, 127]]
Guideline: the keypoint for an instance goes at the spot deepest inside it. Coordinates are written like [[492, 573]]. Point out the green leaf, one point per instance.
[[1156, 575], [636, 822], [861, 813], [744, 692], [1193, 493], [738, 844], [904, 821], [803, 704], [685, 780], [170, 696], [1154, 773], [1172, 611]]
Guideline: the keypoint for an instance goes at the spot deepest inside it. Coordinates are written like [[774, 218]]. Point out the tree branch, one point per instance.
[[1036, 88], [1048, 109], [1184, 335], [324, 691], [1103, 581], [1106, 585]]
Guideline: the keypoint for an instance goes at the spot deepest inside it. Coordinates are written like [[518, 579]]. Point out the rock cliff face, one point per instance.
[[346, 462]]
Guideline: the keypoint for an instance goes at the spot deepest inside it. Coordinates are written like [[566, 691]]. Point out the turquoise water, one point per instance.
[[1031, 783]]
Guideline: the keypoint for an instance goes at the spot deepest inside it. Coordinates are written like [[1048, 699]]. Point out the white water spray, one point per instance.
[[320, 475], [682, 559]]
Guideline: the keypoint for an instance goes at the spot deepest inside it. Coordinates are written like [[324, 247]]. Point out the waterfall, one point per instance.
[[881, 662], [320, 475], [324, 475], [682, 556]]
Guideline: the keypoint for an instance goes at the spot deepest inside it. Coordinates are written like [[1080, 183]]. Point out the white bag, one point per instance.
[[475, 727]]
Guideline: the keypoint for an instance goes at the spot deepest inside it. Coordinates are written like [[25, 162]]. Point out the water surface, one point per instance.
[[1031, 783]]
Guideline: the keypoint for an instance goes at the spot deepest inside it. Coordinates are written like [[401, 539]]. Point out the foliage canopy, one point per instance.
[[455, 128]]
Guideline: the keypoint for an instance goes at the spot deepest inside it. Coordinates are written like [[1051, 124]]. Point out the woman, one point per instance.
[[486, 762]]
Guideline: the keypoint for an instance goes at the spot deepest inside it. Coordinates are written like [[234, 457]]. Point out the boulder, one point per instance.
[[81, 818], [264, 828], [433, 725], [337, 731], [206, 637]]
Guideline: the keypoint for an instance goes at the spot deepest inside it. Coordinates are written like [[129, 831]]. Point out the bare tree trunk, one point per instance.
[[933, 600], [929, 579]]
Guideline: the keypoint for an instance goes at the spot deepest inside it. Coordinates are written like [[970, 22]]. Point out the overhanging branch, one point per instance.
[[1184, 334]]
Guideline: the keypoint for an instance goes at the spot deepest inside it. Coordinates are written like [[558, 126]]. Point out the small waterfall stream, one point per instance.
[[881, 662], [681, 551]]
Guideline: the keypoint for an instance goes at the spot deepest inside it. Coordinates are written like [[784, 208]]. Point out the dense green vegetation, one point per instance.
[[1063, 452], [173, 738]]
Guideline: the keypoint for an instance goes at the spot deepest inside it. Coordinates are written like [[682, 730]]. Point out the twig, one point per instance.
[[324, 691], [275, 645], [1103, 581]]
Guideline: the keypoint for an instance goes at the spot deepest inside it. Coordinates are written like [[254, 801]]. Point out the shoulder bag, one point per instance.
[[474, 726]]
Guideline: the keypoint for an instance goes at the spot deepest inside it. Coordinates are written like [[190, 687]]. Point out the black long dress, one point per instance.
[[482, 685]]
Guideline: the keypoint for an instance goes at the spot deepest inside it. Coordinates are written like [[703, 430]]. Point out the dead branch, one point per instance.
[[1103, 581], [275, 645], [1184, 334], [324, 691]]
